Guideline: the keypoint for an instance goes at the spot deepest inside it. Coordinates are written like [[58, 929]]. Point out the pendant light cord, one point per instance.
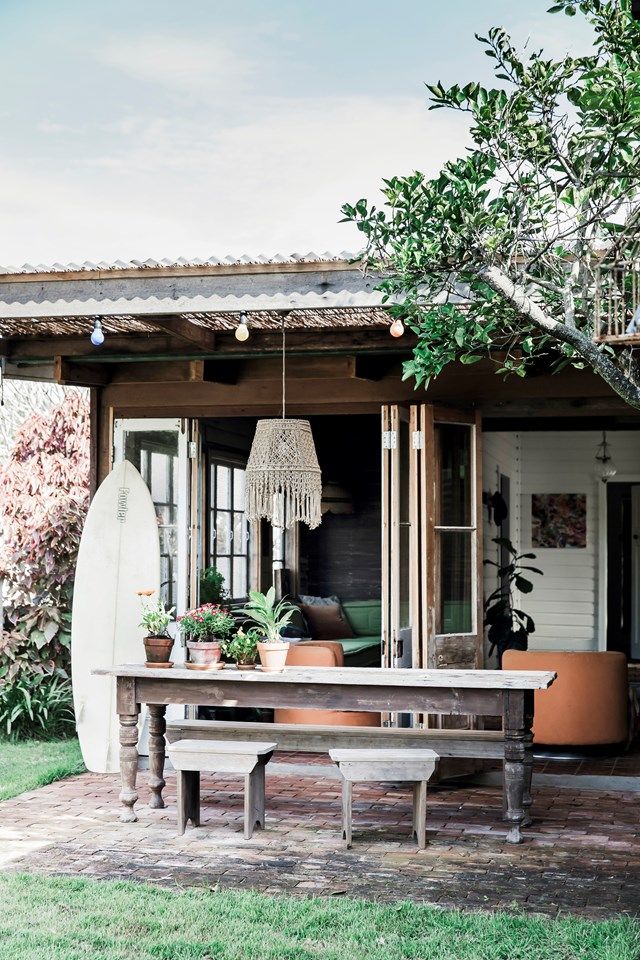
[[284, 379]]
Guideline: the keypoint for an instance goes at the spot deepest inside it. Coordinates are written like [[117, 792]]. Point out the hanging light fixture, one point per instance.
[[607, 468], [97, 334], [242, 330], [283, 480], [397, 328]]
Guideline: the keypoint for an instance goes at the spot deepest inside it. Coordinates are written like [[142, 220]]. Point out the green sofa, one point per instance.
[[364, 648]]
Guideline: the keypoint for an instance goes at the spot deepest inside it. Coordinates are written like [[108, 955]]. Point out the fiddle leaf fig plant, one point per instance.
[[509, 627]]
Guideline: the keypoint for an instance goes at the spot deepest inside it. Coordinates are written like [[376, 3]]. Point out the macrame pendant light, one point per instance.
[[283, 481]]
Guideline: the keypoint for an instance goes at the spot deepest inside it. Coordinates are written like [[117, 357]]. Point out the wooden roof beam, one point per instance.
[[80, 374], [187, 331]]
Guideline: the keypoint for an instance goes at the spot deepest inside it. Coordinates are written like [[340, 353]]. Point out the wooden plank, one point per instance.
[[385, 537], [158, 371], [262, 342], [415, 564], [320, 738], [347, 677], [365, 698], [80, 374], [94, 439], [186, 330]]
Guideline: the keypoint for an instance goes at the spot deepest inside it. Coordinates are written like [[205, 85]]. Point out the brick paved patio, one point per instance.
[[583, 855]]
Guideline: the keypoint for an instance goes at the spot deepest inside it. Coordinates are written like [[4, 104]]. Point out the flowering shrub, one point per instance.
[[208, 622], [44, 495]]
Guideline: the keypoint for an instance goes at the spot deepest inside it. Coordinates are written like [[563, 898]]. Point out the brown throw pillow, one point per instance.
[[327, 621]]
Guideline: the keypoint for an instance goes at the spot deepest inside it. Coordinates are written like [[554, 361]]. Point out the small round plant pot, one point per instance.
[[158, 651], [273, 656], [204, 655], [247, 665]]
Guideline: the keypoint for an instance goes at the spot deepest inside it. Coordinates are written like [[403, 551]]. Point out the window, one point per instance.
[[228, 527]]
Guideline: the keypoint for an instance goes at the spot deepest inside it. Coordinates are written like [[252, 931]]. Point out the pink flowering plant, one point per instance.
[[211, 621]]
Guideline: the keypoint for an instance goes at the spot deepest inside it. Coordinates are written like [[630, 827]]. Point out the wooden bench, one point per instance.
[[366, 766], [316, 738], [191, 757]]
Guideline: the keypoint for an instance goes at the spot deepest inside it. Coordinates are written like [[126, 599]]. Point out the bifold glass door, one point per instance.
[[159, 450], [431, 536]]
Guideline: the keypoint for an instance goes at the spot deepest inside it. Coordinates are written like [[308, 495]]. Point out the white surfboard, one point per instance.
[[119, 555]]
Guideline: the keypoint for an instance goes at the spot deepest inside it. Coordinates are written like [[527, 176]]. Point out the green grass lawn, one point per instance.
[[33, 763], [47, 918]]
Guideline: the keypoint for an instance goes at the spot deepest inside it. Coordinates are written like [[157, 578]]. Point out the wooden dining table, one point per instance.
[[479, 693]]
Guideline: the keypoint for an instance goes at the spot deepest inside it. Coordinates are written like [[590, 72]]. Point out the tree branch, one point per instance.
[[517, 296]]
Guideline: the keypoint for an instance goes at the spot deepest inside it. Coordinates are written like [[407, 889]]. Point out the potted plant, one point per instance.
[[155, 619], [205, 629], [269, 618], [509, 627], [212, 586], [242, 648]]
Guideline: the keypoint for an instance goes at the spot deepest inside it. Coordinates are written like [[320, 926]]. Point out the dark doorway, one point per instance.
[[623, 545]]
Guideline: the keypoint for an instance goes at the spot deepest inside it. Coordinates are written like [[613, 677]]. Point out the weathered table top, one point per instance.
[[350, 676]]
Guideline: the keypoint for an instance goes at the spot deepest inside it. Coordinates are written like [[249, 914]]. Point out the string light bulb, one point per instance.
[[396, 329], [242, 330], [97, 334]]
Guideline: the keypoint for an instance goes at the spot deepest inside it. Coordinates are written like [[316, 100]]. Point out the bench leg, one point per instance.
[[347, 810], [188, 799], [254, 799], [420, 813]]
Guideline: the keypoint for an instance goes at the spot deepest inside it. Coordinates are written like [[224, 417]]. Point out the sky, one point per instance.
[[132, 129]]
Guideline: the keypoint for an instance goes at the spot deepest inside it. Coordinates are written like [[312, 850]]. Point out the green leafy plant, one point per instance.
[[44, 495], [269, 617], [497, 257], [242, 647], [212, 586], [509, 627], [155, 616], [36, 706], [207, 622]]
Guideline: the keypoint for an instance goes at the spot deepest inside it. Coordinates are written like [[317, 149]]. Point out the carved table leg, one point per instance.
[[518, 715], [128, 764], [157, 727]]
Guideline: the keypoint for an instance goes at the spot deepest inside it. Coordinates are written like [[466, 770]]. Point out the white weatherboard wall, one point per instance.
[[564, 603], [500, 455]]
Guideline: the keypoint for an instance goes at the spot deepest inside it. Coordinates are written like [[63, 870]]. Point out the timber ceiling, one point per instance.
[[341, 318]]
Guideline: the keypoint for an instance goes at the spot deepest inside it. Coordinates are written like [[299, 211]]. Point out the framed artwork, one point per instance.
[[558, 520]]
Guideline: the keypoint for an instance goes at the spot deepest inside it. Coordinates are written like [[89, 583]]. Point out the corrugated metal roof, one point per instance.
[[89, 266]]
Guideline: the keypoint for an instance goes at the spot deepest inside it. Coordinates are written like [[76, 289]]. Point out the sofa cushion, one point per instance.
[[326, 621], [355, 645], [365, 617]]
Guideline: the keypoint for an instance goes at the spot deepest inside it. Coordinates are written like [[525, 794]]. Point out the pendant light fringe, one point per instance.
[[284, 483]]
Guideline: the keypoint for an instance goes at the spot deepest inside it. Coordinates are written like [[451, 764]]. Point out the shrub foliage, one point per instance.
[[43, 502]]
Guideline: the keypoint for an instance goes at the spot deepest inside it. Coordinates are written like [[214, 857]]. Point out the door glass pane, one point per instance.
[[223, 565], [454, 475], [223, 487], [155, 454], [239, 577], [238, 487], [223, 533], [454, 611]]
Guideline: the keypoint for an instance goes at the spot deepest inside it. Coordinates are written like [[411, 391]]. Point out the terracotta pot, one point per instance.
[[158, 650], [247, 665], [205, 653], [273, 656]]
